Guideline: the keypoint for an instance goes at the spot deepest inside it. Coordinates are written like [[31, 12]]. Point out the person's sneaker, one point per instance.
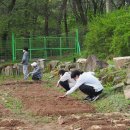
[[94, 98], [87, 98]]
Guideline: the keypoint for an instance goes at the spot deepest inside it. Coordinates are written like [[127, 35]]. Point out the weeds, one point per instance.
[[11, 103]]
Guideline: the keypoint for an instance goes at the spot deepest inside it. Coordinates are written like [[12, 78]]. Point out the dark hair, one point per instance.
[[25, 48], [75, 73], [61, 72]]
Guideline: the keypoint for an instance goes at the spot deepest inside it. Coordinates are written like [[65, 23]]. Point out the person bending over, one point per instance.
[[65, 80], [87, 83], [36, 73]]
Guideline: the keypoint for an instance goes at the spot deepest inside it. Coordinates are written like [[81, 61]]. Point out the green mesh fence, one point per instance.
[[44, 47], [5, 50]]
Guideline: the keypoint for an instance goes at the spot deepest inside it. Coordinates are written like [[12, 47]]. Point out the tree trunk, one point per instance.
[[74, 9], [60, 16], [94, 7], [81, 12], [127, 2], [101, 7], [26, 15], [11, 6], [66, 25], [35, 16], [108, 6], [46, 18]]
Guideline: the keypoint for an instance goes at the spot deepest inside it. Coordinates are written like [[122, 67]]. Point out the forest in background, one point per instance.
[[56, 17]]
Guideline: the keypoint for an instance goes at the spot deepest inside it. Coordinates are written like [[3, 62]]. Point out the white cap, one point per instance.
[[34, 64]]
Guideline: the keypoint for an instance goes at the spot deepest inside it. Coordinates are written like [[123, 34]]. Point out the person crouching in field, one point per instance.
[[65, 80], [87, 83], [36, 73]]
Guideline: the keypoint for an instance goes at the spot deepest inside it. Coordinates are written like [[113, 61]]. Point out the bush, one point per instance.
[[109, 35]]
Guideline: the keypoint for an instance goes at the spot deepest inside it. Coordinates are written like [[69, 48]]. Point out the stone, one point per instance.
[[119, 85], [94, 63], [61, 120], [8, 71], [94, 127], [41, 63], [78, 129], [81, 63], [127, 92], [53, 64], [128, 81], [67, 66], [121, 61], [76, 116]]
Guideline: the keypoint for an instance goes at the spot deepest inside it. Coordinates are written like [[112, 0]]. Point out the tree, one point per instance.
[[61, 11], [46, 14], [108, 6]]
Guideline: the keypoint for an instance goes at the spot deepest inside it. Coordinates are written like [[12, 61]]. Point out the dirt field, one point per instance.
[[43, 111]]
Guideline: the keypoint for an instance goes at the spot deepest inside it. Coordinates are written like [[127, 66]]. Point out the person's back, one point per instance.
[[37, 72], [25, 58], [67, 76], [89, 79], [65, 80]]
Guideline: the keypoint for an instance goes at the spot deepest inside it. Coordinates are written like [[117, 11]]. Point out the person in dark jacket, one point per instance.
[[25, 60], [36, 73]]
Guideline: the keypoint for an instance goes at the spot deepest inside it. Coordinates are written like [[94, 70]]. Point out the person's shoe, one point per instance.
[[87, 98], [94, 98]]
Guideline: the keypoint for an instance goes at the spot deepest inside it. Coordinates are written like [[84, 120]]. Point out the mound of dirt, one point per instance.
[[111, 121]]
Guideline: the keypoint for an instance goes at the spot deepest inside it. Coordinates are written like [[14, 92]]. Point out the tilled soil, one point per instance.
[[41, 101], [69, 113]]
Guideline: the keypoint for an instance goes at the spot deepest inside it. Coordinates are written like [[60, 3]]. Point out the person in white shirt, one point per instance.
[[65, 80], [87, 83]]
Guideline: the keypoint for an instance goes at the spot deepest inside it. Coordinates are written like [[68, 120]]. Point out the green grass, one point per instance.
[[12, 103], [112, 101]]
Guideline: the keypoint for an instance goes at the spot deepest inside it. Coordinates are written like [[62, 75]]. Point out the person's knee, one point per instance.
[[62, 83], [65, 85]]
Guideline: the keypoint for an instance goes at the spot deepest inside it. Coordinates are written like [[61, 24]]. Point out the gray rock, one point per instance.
[[121, 61]]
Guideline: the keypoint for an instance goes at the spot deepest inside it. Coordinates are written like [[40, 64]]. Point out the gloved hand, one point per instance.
[[31, 74]]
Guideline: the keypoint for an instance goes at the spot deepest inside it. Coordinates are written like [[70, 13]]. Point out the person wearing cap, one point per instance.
[[87, 83], [36, 73], [65, 80], [25, 60]]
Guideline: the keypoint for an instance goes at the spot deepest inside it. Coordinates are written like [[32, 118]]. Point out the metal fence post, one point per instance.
[[30, 47], [45, 49], [77, 42], [60, 46], [13, 47]]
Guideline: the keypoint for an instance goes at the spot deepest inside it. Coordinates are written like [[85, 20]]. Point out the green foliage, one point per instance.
[[14, 104], [109, 35], [112, 102]]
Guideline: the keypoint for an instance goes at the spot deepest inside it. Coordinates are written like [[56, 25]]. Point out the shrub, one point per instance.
[[109, 34]]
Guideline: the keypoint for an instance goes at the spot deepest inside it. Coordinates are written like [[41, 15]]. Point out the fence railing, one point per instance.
[[39, 47]]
